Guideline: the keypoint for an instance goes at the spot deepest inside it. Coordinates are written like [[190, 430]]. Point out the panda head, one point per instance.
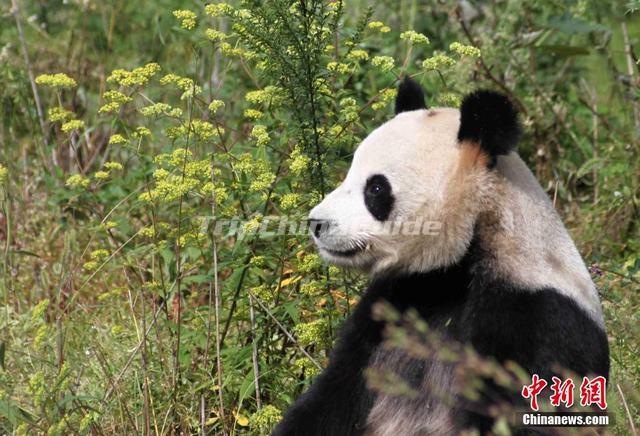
[[416, 185]]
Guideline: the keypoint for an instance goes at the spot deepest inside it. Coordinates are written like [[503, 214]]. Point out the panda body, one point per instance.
[[502, 275]]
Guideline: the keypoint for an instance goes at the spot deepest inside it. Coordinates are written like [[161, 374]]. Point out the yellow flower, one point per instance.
[[187, 85], [289, 201], [161, 109], [72, 125], [109, 107], [265, 419], [298, 162], [269, 94], [91, 265], [379, 26], [99, 254], [465, 50], [215, 35], [215, 10], [262, 182], [101, 175], [414, 37], [117, 139], [311, 333], [385, 63], [77, 181], [187, 18], [215, 105], [253, 114], [59, 114], [259, 133], [3, 174], [117, 96], [338, 67], [449, 99], [59, 80], [358, 55], [113, 166], [138, 77], [38, 311], [437, 62]]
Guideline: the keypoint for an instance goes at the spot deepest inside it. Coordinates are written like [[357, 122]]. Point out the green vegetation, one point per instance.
[[136, 127]]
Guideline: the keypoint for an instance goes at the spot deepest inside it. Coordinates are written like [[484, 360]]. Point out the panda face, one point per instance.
[[388, 210]]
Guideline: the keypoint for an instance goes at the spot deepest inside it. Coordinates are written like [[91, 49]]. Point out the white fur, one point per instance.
[[435, 178]]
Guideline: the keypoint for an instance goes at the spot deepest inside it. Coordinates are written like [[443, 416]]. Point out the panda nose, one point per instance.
[[317, 226]]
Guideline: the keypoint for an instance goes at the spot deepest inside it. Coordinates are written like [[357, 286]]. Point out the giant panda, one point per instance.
[[501, 274]]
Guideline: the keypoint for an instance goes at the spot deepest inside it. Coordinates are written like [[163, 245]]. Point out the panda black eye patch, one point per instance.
[[378, 197]]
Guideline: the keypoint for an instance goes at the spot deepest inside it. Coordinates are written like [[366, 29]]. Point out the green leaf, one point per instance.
[[570, 25], [565, 50]]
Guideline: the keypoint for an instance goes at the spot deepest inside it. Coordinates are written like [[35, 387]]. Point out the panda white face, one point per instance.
[[388, 212]]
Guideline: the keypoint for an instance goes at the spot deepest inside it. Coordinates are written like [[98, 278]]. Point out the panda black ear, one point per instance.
[[410, 96], [489, 119]]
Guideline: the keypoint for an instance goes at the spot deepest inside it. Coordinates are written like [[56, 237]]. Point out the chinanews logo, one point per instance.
[[561, 396]]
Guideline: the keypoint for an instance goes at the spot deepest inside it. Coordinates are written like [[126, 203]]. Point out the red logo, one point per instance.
[[592, 391], [533, 390], [562, 392]]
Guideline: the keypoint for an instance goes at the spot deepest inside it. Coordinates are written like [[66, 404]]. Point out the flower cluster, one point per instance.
[[312, 333], [465, 50], [260, 134], [379, 26], [72, 125], [437, 61], [253, 114], [218, 9], [114, 99], [215, 105], [310, 263], [117, 139], [158, 109], [38, 311], [385, 63], [358, 55], [262, 182], [387, 95], [338, 67], [178, 175], [77, 181], [264, 419], [141, 132], [289, 201], [264, 293], [307, 367], [298, 162], [449, 99], [414, 37], [349, 109], [137, 77], [187, 86], [59, 113], [3, 174], [272, 95], [187, 18], [59, 80], [215, 35]]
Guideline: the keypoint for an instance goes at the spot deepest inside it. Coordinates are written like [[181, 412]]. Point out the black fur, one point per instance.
[[541, 330], [490, 119], [378, 197], [410, 96]]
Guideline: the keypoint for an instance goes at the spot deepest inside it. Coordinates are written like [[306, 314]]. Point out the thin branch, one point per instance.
[[487, 71], [630, 71], [34, 89]]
